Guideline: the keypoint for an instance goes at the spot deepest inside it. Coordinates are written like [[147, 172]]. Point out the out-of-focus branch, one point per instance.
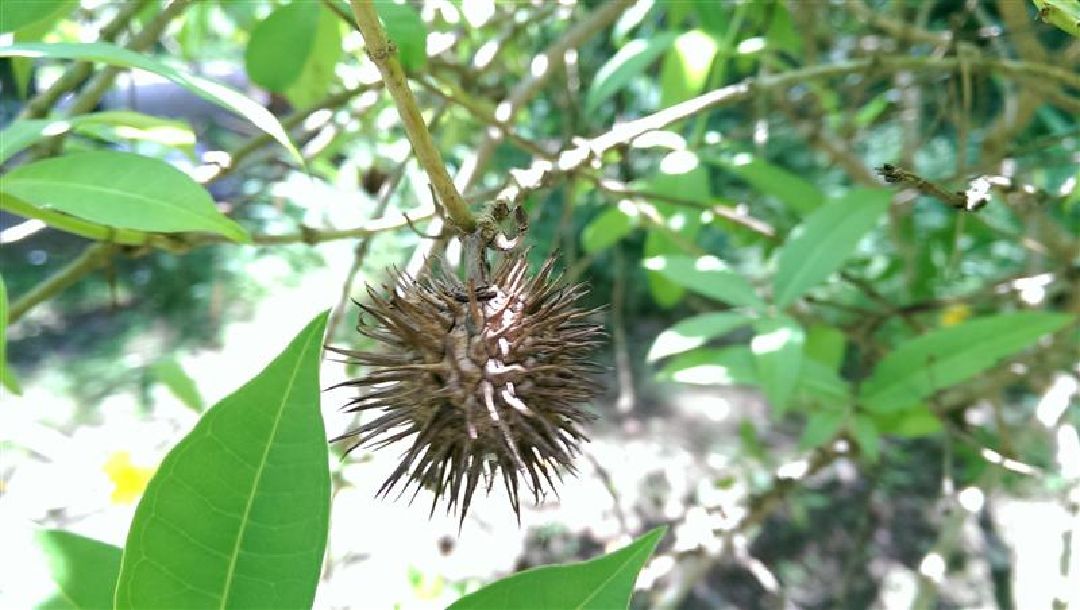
[[383, 53], [43, 102], [93, 257], [144, 40], [545, 64]]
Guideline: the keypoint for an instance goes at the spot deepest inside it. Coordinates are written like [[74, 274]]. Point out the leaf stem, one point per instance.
[[383, 52]]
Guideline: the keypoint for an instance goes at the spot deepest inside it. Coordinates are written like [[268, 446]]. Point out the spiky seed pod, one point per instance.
[[486, 379]]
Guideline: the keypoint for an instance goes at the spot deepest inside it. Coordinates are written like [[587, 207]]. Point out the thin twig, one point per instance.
[[384, 54]]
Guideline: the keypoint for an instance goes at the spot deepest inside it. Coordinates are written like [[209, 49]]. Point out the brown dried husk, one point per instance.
[[487, 380]]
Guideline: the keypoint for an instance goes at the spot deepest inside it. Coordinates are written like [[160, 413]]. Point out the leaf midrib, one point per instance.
[[234, 556]]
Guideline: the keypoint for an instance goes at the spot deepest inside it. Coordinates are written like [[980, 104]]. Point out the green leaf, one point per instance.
[[83, 569], [7, 378], [826, 345], [18, 14], [913, 422], [629, 62], [169, 372], [118, 56], [778, 356], [941, 358], [795, 192], [1064, 14], [686, 67], [21, 134], [606, 229], [318, 74], [281, 44], [821, 427], [665, 292], [237, 514], [695, 331], [708, 276], [408, 32], [823, 385], [603, 583], [866, 435], [726, 366], [121, 190], [828, 237]]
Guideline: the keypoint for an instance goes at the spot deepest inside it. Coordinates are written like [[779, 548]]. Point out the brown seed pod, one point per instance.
[[485, 379]]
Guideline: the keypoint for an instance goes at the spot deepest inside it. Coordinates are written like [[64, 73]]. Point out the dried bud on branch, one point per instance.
[[485, 378]]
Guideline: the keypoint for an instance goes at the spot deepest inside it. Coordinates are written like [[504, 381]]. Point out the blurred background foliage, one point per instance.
[[839, 392]]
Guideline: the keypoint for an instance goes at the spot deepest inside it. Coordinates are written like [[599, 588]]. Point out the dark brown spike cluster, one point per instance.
[[486, 379]]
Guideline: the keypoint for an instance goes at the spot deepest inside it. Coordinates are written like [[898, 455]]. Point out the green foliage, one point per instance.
[[293, 51], [631, 60], [118, 56], [707, 276], [1065, 14], [740, 239], [918, 367], [238, 512], [828, 237], [778, 354], [84, 571], [21, 15], [7, 378], [694, 331], [169, 372], [407, 31], [599, 584], [121, 190]]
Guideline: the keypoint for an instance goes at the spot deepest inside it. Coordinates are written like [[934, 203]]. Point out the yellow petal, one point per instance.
[[128, 480], [954, 314]]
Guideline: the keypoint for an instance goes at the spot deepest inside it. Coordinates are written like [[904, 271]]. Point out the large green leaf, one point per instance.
[[122, 190], [695, 331], [119, 56], [708, 276], [942, 358], [83, 569], [604, 583], [237, 514], [686, 67], [18, 14], [281, 44], [629, 62], [827, 238], [778, 354]]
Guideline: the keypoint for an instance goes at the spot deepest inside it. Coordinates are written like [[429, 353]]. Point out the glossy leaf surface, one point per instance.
[[237, 514], [122, 190]]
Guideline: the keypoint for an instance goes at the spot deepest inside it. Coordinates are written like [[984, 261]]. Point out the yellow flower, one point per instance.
[[954, 314], [128, 480]]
